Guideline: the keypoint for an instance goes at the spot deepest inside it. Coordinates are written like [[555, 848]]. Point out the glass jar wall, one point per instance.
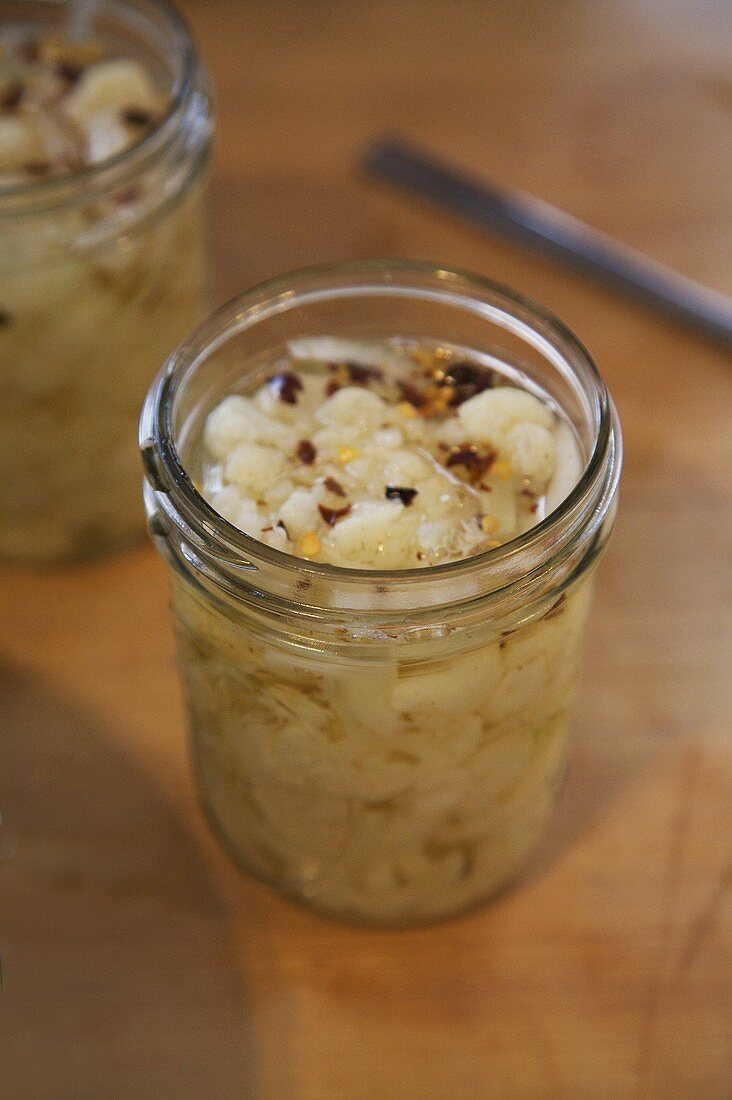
[[382, 745]]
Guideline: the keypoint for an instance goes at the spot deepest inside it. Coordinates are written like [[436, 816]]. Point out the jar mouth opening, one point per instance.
[[281, 293], [106, 172]]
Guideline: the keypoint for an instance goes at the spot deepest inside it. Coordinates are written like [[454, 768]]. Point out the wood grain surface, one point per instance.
[[136, 961]]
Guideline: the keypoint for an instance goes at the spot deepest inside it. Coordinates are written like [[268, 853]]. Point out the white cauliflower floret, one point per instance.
[[254, 467], [435, 536], [530, 450], [388, 438], [110, 85], [236, 419], [227, 502], [372, 535], [361, 410], [405, 469], [105, 136], [489, 416], [248, 519], [466, 682], [300, 513]]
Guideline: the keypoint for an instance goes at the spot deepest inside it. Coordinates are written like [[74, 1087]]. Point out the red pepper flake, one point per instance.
[[420, 556], [466, 380], [266, 529], [471, 460], [136, 116], [306, 452], [11, 96], [334, 486], [332, 515], [534, 508], [557, 608], [332, 387], [361, 375], [396, 492], [287, 386]]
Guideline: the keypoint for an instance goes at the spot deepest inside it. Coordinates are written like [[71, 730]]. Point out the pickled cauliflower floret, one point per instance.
[[67, 104], [395, 460], [97, 286], [375, 769], [391, 790]]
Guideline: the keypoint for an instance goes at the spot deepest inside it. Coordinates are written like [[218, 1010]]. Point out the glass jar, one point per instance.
[[102, 273], [382, 745]]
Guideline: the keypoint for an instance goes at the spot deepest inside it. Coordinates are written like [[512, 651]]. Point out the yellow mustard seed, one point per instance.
[[309, 545], [347, 454], [422, 357], [406, 410], [490, 524], [502, 470]]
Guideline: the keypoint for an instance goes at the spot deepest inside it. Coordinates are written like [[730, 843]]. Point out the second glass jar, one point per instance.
[[102, 273]]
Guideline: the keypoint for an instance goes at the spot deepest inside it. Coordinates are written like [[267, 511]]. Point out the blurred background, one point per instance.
[[617, 112], [137, 961]]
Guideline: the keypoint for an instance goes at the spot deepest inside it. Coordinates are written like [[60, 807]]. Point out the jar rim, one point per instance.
[[187, 509], [111, 171]]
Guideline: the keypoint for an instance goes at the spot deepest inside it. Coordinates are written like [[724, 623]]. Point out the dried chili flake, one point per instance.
[[334, 486], [471, 459], [332, 515], [361, 375], [287, 386], [413, 394], [397, 492], [306, 452], [466, 380], [11, 96]]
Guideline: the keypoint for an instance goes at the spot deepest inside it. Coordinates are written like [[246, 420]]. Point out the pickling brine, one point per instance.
[[381, 550]]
